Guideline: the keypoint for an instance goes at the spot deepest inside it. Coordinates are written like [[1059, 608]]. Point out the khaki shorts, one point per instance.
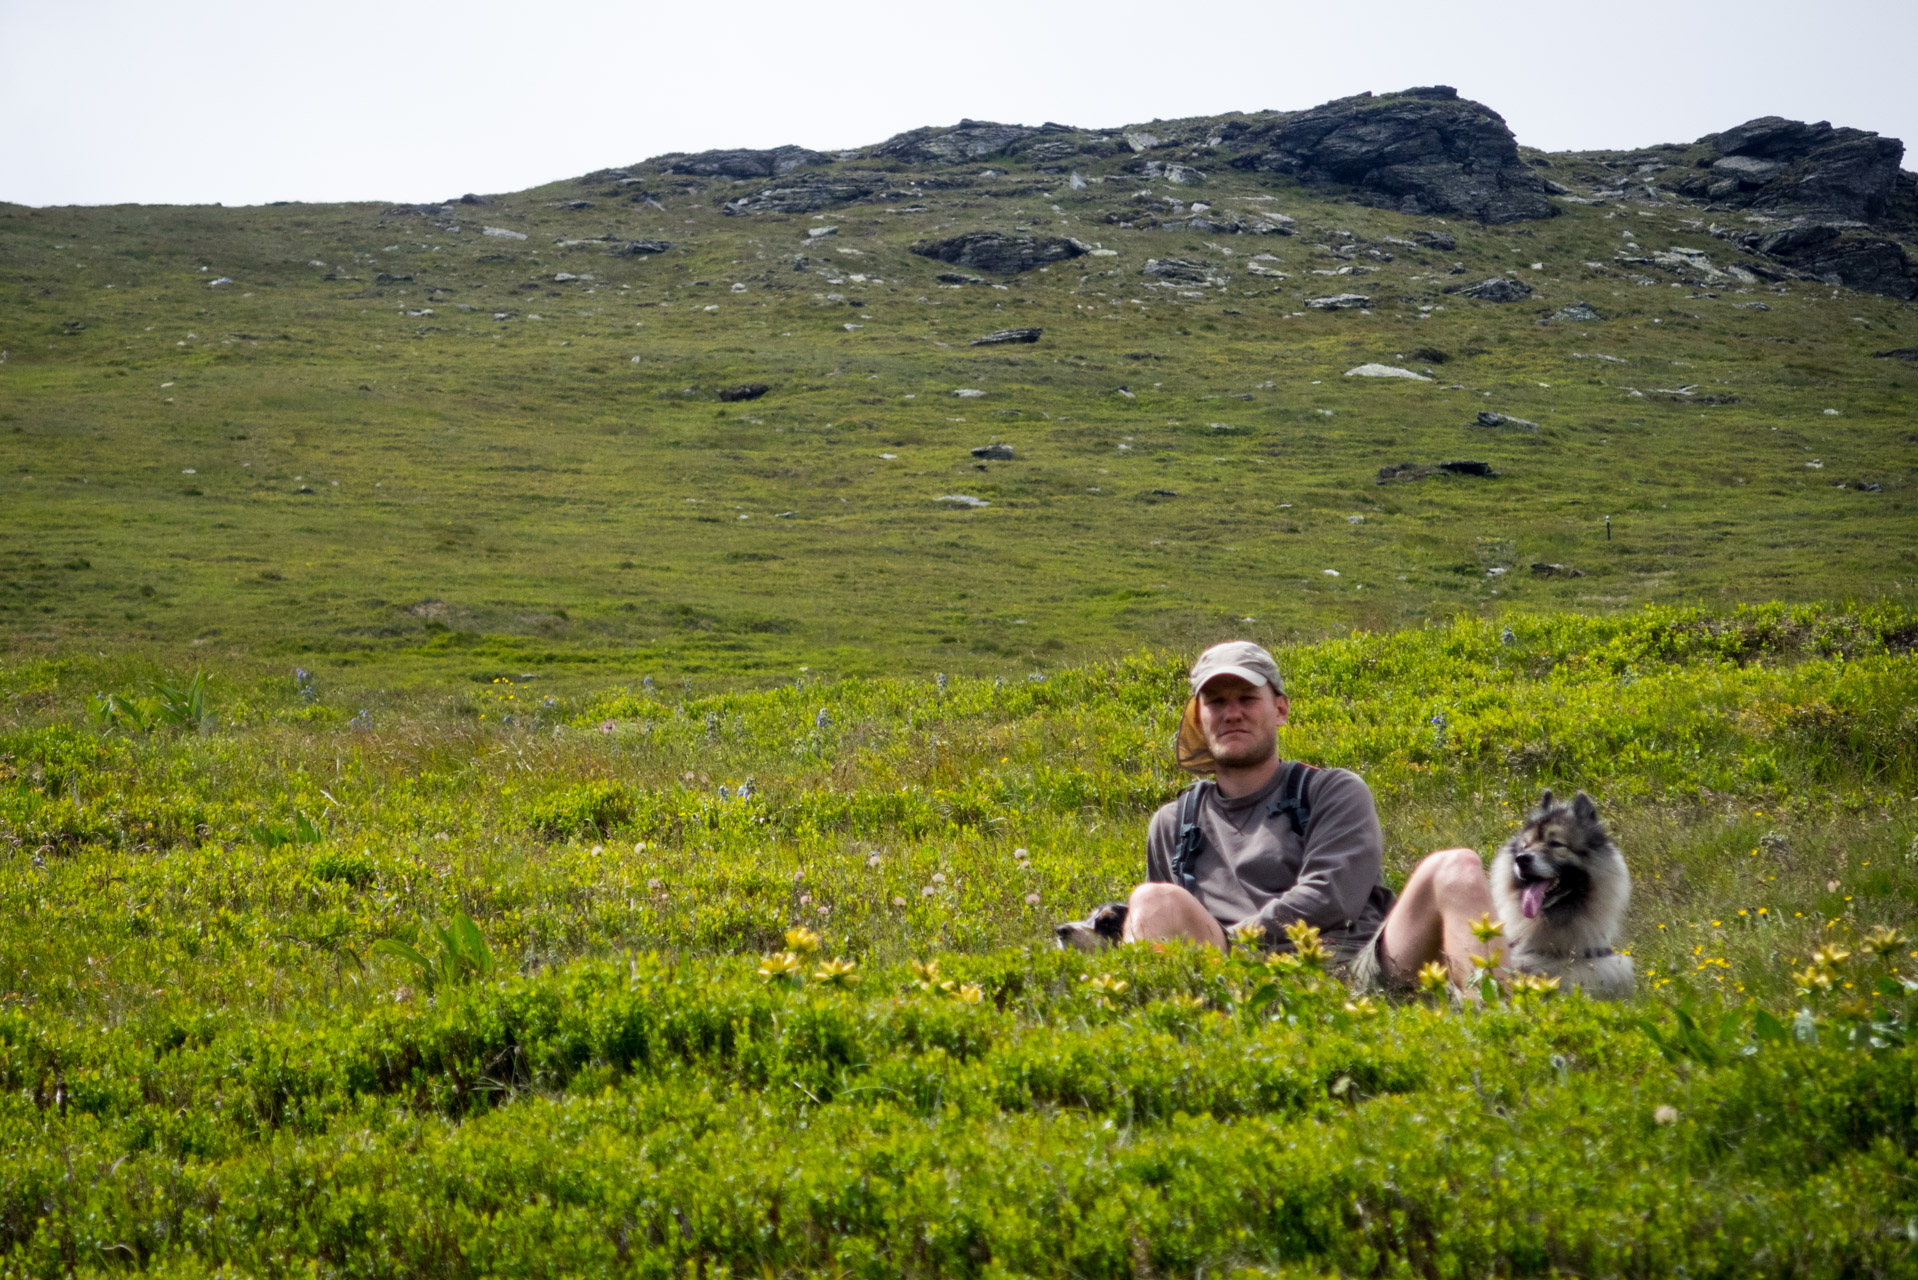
[[1365, 970]]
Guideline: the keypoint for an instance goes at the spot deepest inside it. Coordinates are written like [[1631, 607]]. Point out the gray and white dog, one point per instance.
[[1561, 889]]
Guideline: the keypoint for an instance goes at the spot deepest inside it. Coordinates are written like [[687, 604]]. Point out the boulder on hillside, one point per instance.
[[968, 140], [1340, 302], [803, 197], [1183, 271], [1008, 337], [1000, 254], [1497, 289], [1421, 151], [640, 248], [771, 163]]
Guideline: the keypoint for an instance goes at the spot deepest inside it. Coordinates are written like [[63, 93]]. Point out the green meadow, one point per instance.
[[475, 802]]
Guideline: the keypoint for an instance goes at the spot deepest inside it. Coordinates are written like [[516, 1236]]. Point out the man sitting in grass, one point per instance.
[[1271, 843]]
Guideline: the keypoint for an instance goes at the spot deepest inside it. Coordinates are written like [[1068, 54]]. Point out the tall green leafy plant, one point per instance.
[[455, 954]]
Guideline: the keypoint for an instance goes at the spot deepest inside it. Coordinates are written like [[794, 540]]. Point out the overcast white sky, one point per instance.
[[194, 101]]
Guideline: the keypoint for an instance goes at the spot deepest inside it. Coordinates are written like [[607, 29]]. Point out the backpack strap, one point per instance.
[[1293, 801], [1191, 839]]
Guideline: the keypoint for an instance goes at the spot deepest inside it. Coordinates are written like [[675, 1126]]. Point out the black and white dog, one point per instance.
[[1561, 889]]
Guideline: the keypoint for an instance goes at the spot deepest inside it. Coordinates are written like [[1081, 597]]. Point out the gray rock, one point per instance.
[[1543, 569], [640, 248], [744, 391], [1003, 337], [1497, 289], [994, 452], [1900, 353], [805, 197], [1183, 271], [772, 163], [1584, 312], [1420, 151], [1340, 302], [1504, 422], [954, 277], [968, 140], [1000, 254]]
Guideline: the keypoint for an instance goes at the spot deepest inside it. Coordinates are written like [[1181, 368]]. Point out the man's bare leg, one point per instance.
[[1432, 919], [1156, 912]]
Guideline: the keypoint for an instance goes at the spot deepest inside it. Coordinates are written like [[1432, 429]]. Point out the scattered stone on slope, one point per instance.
[[1000, 254], [968, 140], [640, 248], [772, 163], [1183, 271], [994, 452], [503, 233], [804, 197], [1420, 151], [1384, 371], [954, 277], [1002, 337], [744, 391], [1583, 312], [1900, 353], [1340, 302], [1496, 289], [1504, 422], [1543, 569]]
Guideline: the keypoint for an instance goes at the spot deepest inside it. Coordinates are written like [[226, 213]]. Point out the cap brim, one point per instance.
[[1247, 674]]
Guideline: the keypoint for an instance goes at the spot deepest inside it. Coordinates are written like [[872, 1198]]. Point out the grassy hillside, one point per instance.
[[393, 438], [211, 1057]]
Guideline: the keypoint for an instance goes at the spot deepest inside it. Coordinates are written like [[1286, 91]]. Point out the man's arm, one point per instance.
[[1161, 834], [1344, 858]]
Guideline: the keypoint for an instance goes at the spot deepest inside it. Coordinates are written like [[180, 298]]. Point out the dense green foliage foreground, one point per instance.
[[213, 1054]]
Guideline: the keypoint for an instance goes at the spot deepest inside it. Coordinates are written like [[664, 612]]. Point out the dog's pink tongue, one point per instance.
[[1532, 900]]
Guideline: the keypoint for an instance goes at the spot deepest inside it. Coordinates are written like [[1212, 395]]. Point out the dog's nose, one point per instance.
[[1527, 864]]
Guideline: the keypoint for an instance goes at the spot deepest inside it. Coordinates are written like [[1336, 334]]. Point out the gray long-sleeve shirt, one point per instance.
[[1254, 864]]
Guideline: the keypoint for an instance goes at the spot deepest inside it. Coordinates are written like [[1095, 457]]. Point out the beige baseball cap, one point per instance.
[[1241, 658]]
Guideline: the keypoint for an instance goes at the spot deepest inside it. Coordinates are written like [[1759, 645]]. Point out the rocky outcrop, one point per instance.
[[1421, 151], [804, 197], [1000, 254], [1854, 258], [1848, 201], [968, 140], [745, 164], [1788, 168], [1008, 337]]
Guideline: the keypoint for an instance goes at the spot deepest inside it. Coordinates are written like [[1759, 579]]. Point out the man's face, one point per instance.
[[1240, 720]]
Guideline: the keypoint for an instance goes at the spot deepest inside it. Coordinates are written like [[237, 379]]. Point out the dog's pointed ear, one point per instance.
[[1583, 809], [1545, 800]]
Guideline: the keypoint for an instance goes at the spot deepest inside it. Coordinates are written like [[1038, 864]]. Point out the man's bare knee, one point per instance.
[[1156, 897], [1457, 875], [1157, 911]]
